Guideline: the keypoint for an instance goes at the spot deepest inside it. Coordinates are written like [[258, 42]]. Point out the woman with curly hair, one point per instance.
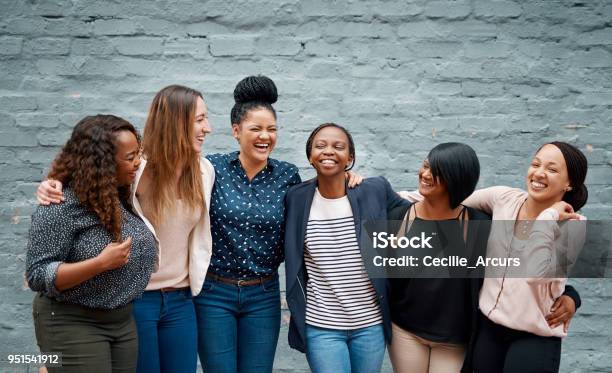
[[90, 256], [171, 194]]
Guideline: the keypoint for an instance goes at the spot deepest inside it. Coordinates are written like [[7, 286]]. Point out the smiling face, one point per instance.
[[256, 134], [201, 127], [429, 186], [547, 179], [330, 154], [127, 157]]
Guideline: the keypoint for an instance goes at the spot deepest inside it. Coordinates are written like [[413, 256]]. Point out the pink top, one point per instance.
[[523, 303], [173, 233]]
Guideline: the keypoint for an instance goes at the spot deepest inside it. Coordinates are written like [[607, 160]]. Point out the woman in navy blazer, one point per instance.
[[319, 245]]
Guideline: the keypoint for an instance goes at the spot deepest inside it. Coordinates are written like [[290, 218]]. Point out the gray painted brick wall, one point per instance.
[[502, 76]]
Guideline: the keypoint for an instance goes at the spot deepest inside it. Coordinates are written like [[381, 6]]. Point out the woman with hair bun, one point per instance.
[[239, 307], [523, 320], [91, 256]]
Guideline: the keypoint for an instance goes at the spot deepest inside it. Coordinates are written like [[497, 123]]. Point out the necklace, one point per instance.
[[523, 227]]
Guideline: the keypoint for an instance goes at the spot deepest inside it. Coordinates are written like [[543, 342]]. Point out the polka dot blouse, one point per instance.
[[68, 233], [247, 217]]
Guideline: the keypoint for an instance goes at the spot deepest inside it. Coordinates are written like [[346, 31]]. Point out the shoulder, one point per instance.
[[62, 212], [207, 166], [283, 167], [217, 158], [476, 214], [399, 212], [374, 183], [297, 190], [502, 193]]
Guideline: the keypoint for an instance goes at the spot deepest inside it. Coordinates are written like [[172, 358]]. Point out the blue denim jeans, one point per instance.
[[238, 326], [345, 351], [167, 333]]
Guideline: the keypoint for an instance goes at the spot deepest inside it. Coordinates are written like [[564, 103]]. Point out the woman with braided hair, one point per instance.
[[90, 256]]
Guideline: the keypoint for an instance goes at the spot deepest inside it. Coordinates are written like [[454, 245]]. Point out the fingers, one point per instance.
[[569, 215], [42, 201], [566, 325], [563, 317], [353, 179], [46, 193], [56, 185], [555, 305]]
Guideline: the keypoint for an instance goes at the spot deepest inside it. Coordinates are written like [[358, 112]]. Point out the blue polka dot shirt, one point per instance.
[[247, 217]]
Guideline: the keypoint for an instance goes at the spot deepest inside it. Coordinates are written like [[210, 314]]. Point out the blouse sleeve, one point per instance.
[[484, 199], [50, 240], [553, 247], [481, 199], [412, 196]]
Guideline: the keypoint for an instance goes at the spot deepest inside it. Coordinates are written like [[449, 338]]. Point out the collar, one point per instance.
[[233, 158]]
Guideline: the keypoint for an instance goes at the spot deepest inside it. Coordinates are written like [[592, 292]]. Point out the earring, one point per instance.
[[568, 189]]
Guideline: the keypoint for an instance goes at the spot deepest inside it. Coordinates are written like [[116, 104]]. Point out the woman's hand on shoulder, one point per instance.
[[565, 211], [50, 191], [354, 179]]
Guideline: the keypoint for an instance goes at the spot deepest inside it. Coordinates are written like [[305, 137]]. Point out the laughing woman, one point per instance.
[[90, 256], [339, 316], [434, 318], [516, 331], [238, 309], [171, 194]]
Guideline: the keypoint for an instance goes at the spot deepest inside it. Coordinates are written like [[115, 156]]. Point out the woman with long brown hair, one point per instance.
[[171, 193], [90, 256]]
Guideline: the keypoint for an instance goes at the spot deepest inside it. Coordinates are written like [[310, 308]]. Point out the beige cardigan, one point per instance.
[[522, 303], [200, 244]]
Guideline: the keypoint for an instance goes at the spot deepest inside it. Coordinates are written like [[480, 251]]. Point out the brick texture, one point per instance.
[[502, 76]]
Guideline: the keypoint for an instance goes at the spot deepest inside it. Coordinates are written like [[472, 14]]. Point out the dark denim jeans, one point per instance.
[[238, 326], [167, 333]]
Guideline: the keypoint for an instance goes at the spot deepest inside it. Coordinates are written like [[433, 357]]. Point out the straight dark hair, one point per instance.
[[455, 165]]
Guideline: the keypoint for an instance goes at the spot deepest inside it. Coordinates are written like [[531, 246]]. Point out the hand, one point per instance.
[[115, 254], [353, 179], [50, 191], [565, 210], [561, 312]]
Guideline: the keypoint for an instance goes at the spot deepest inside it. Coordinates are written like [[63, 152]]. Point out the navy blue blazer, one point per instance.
[[371, 200]]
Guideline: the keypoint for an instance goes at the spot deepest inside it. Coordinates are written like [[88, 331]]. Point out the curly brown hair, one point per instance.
[[87, 165]]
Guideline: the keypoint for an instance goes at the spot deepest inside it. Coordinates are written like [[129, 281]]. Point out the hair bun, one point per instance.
[[255, 89], [577, 197]]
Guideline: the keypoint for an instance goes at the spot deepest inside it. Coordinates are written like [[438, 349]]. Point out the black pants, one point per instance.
[[500, 349], [90, 340]]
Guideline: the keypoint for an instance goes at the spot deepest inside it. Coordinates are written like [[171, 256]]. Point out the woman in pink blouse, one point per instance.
[[515, 331]]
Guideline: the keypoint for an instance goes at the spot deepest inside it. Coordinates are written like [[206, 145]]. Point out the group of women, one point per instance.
[[144, 264]]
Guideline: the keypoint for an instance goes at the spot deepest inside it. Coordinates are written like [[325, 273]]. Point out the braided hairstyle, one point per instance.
[[87, 165]]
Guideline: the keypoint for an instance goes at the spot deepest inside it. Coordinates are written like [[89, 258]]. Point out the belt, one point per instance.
[[231, 281], [166, 290]]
